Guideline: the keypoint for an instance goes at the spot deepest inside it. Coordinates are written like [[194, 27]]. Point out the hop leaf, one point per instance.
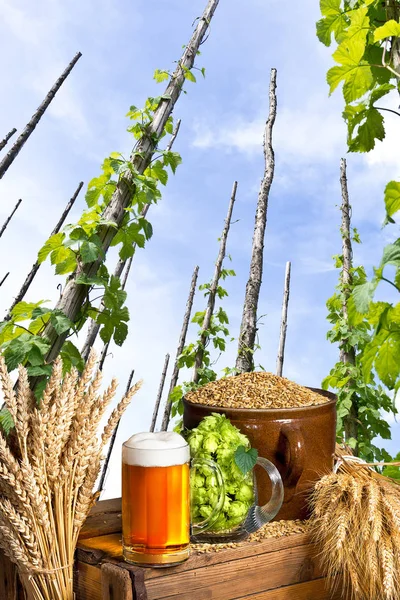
[[245, 459]]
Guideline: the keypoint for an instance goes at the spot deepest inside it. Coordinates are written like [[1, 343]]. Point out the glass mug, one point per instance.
[[156, 498], [236, 520], [156, 523]]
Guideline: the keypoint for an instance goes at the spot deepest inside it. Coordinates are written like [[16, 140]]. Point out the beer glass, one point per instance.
[[156, 498]]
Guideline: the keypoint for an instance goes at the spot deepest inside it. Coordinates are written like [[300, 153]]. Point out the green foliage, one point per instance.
[[80, 244], [392, 198], [6, 420], [391, 470], [359, 397], [365, 32], [217, 439]]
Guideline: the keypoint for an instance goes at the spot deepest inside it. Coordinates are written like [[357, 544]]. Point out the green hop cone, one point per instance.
[[231, 435], [211, 481], [224, 455], [195, 441], [199, 496], [209, 423], [237, 509], [211, 442], [205, 510], [245, 493], [197, 480]]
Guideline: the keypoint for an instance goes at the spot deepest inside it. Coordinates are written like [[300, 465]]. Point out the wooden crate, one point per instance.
[[285, 568]]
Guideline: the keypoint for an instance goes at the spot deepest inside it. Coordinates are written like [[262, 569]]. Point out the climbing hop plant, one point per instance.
[[79, 244], [346, 378], [367, 63], [217, 336], [23, 337]]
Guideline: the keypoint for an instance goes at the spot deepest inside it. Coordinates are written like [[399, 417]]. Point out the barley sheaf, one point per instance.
[[46, 483], [356, 523]]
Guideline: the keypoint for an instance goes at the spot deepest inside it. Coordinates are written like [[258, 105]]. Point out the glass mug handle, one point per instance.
[[260, 515], [210, 520]]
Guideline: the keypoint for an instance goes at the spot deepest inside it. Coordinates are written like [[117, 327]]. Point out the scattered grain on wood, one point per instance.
[[255, 390], [275, 529]]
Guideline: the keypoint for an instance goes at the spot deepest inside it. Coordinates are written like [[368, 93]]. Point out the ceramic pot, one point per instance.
[[299, 441]]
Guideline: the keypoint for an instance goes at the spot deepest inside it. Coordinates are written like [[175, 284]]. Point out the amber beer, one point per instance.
[[155, 499]]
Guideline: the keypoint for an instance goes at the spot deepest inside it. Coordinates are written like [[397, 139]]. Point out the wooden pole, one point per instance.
[[5, 224], [282, 336], [32, 273], [181, 345], [248, 328], [9, 135], [347, 356], [214, 287], [94, 327], [159, 393], [4, 278], [29, 128], [111, 445]]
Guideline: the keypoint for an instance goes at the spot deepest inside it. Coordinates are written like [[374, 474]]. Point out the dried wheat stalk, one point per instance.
[[46, 494], [356, 522]]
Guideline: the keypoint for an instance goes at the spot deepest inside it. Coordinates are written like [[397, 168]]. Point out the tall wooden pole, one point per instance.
[[181, 345], [32, 273], [126, 264], [6, 222], [111, 445], [214, 287], [282, 336], [347, 355], [159, 393], [29, 128], [9, 135], [248, 328]]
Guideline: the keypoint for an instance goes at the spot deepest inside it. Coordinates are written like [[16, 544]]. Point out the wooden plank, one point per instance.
[[8, 579], [116, 583], [105, 517], [263, 547], [238, 578], [309, 590], [87, 582], [93, 550]]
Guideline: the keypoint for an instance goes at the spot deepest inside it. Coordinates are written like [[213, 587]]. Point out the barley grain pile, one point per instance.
[[356, 522], [255, 390], [47, 491]]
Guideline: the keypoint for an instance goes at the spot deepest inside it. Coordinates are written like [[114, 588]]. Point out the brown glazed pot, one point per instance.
[[299, 441]]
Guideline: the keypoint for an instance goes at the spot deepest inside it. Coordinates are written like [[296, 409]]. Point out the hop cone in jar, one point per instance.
[[217, 439]]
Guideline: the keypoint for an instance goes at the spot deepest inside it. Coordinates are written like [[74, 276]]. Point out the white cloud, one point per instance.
[[28, 31], [309, 132]]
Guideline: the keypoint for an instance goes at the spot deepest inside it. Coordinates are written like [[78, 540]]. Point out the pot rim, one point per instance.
[[271, 411]]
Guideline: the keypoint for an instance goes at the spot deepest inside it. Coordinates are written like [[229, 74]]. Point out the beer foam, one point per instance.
[[161, 449]]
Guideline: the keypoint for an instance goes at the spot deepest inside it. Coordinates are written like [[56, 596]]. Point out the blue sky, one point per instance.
[[220, 140]]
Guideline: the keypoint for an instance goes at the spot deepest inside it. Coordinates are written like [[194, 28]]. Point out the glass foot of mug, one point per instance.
[[155, 558]]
